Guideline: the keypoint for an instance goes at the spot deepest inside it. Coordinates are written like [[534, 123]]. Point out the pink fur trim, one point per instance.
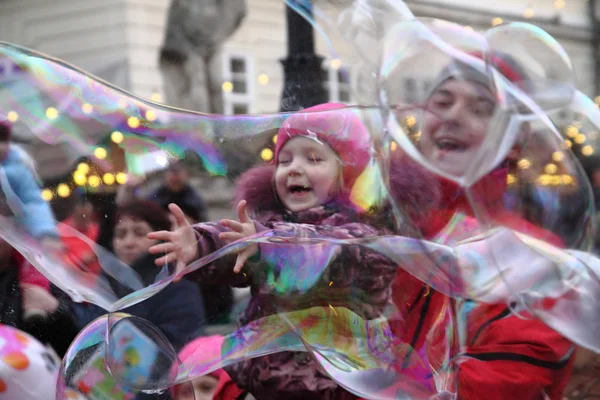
[[256, 186]]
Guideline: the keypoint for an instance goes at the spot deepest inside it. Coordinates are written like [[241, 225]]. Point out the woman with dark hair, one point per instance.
[[177, 311]]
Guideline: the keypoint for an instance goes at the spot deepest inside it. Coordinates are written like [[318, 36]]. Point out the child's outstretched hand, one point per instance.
[[240, 229], [180, 245]]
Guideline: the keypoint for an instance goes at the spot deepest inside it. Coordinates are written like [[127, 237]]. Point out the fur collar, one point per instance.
[[413, 188]]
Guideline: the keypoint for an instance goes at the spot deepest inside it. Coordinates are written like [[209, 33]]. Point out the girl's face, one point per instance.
[[308, 174], [130, 239], [456, 124], [204, 388]]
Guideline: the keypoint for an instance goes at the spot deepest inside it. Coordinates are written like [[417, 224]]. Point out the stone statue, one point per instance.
[[195, 31]]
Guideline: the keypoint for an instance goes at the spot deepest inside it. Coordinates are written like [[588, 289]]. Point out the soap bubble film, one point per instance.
[[374, 241]]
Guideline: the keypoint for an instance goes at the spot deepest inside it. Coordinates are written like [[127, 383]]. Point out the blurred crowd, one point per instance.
[[29, 302]]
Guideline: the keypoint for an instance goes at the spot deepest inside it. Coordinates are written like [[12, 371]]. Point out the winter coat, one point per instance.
[[294, 277], [22, 197], [79, 250], [506, 356], [57, 330], [177, 310]]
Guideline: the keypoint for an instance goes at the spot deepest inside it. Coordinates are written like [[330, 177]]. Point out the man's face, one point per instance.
[[176, 177], [456, 124]]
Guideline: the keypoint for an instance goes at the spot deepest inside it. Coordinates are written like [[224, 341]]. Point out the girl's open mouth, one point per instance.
[[450, 144], [299, 190]]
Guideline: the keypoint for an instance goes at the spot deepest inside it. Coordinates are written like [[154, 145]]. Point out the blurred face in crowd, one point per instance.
[[596, 179], [308, 174], [203, 389], [84, 210], [4, 145], [130, 239], [456, 124], [176, 177]]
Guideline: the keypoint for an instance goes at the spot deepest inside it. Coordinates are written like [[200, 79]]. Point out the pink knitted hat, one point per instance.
[[340, 128], [210, 347]]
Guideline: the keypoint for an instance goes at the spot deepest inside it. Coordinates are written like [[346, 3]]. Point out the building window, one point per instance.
[[338, 83], [238, 85]]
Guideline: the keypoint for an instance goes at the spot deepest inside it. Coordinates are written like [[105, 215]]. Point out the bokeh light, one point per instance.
[[100, 153], [108, 178], [558, 156], [63, 190], [266, 154], [572, 131], [151, 115], [87, 108], [47, 195], [121, 178], [133, 122], [580, 138], [263, 79], [84, 168], [12, 116], [335, 63], [116, 137], [79, 178], [587, 150], [524, 163], [551, 169], [227, 87], [94, 181], [51, 113]]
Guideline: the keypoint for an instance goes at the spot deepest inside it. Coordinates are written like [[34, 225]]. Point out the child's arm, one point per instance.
[[515, 357], [187, 243]]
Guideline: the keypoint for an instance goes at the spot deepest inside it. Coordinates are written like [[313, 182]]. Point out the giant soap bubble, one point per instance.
[[428, 193]]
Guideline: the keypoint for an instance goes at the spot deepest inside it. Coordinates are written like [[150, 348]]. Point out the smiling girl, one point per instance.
[[319, 156]]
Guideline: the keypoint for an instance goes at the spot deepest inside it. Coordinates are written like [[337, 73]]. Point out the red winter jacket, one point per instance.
[[506, 357]]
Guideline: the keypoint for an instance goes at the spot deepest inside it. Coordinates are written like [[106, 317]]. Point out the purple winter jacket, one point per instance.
[[300, 277], [291, 277]]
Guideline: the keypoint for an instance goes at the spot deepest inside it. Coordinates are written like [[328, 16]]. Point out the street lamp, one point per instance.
[[304, 77], [594, 12]]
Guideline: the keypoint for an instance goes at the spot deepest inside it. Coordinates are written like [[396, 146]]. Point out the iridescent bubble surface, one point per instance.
[[449, 185]]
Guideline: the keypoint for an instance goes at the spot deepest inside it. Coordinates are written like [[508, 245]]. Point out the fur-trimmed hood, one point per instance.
[[413, 188]]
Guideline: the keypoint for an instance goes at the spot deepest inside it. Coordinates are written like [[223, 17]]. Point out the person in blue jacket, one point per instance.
[[21, 200]]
